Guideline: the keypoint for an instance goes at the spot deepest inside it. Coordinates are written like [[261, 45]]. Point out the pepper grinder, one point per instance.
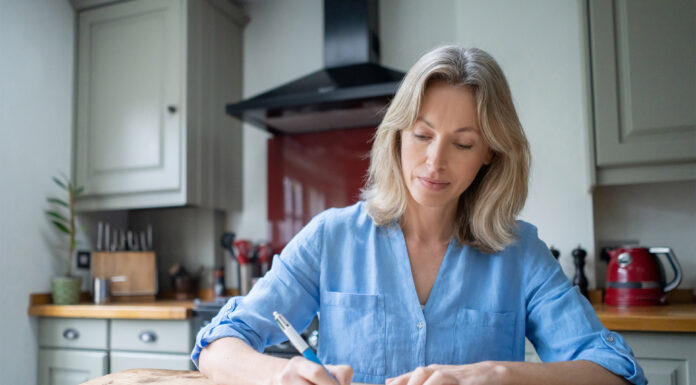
[[580, 280], [555, 252]]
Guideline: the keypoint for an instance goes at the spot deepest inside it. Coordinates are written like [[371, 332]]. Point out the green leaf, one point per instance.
[[79, 191], [61, 227], [60, 183], [58, 202], [56, 215], [65, 178]]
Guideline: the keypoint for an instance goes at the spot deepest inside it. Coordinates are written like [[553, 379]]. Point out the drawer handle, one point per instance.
[[148, 337], [71, 334]]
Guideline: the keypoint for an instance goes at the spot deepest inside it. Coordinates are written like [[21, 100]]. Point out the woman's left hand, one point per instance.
[[481, 373]]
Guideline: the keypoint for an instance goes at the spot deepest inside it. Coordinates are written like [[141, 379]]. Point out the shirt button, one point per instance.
[[610, 339], [420, 325]]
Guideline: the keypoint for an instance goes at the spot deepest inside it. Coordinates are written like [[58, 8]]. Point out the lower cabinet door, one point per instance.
[[135, 360], [666, 358], [70, 367]]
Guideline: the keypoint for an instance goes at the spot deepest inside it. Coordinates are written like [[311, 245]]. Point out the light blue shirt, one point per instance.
[[358, 277]]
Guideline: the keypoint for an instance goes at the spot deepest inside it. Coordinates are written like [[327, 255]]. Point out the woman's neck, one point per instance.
[[430, 225]]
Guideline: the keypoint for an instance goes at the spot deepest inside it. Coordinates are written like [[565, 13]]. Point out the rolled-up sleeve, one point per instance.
[[562, 325], [290, 287]]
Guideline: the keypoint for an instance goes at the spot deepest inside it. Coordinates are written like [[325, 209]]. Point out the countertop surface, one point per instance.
[[668, 318], [158, 309]]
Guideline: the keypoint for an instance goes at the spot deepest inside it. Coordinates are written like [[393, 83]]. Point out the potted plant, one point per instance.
[[65, 289]]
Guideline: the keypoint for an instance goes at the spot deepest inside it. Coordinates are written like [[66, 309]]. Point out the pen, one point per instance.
[[298, 342]]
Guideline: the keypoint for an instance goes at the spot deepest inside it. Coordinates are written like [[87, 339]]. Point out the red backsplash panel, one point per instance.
[[308, 173]]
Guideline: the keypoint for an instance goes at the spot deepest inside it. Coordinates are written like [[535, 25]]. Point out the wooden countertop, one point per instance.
[[159, 309], [669, 318], [679, 317]]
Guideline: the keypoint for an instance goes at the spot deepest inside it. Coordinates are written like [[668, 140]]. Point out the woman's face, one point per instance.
[[444, 150]]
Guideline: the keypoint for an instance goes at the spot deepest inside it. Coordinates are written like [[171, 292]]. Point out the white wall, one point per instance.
[[36, 104], [540, 46]]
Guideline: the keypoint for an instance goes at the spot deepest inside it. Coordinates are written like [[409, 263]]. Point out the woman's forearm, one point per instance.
[[232, 361], [579, 372]]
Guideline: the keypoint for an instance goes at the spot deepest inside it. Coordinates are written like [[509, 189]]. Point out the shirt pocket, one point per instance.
[[484, 336], [352, 331]]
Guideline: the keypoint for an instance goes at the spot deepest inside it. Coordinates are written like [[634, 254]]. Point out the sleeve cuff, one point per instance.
[[617, 357]]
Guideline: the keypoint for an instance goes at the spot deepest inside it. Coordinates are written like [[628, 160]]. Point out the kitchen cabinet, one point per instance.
[[73, 350], [643, 65], [70, 367], [153, 78], [666, 358]]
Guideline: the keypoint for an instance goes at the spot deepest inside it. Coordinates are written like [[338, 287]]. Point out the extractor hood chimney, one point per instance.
[[351, 91]]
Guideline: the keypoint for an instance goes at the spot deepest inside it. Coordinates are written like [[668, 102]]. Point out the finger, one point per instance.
[[419, 376], [399, 380], [314, 373], [343, 373], [289, 375], [440, 377]]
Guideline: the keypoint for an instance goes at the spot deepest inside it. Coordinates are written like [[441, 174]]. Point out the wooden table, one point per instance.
[[151, 376], [156, 376]]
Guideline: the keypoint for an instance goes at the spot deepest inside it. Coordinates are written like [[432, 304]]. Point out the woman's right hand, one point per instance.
[[301, 371]]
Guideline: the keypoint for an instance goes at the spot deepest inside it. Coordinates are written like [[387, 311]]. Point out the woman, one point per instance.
[[430, 279]]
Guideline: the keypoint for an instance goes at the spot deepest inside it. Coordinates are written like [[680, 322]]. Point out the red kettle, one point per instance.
[[635, 276]]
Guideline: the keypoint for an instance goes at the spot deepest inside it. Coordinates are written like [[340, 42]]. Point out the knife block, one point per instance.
[[138, 267]]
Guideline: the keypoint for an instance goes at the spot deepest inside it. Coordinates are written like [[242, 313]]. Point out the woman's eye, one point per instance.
[[420, 137], [463, 146]]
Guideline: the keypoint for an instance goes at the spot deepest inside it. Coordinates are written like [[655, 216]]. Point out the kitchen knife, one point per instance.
[[100, 235]]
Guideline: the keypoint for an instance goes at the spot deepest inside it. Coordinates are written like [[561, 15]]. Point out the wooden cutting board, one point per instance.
[[155, 376], [138, 267]]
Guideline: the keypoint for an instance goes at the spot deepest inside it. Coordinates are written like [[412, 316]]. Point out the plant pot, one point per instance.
[[66, 290]]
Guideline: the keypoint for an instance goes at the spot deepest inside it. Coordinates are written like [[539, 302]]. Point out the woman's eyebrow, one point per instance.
[[461, 129]]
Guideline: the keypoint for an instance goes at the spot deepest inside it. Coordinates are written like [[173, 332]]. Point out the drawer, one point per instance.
[[73, 333], [151, 336], [135, 360]]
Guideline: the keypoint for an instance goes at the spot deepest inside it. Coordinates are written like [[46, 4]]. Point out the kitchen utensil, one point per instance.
[[100, 235], [244, 248], [227, 243], [143, 243], [580, 280], [102, 288], [107, 238], [264, 253], [635, 276], [139, 268], [219, 282]]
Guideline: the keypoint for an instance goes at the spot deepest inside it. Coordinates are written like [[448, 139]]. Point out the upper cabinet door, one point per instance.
[[130, 109], [644, 84]]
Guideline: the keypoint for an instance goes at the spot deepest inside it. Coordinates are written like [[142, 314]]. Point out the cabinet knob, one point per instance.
[[148, 337], [71, 334], [171, 108]]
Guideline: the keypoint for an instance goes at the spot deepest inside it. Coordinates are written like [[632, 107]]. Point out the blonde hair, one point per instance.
[[487, 210]]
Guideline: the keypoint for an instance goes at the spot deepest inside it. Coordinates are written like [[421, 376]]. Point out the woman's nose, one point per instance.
[[436, 155]]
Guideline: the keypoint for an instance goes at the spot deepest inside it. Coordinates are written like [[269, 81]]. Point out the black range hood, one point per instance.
[[352, 91]]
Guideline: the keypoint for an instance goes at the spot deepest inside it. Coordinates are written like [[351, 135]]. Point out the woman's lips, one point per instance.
[[432, 184]]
